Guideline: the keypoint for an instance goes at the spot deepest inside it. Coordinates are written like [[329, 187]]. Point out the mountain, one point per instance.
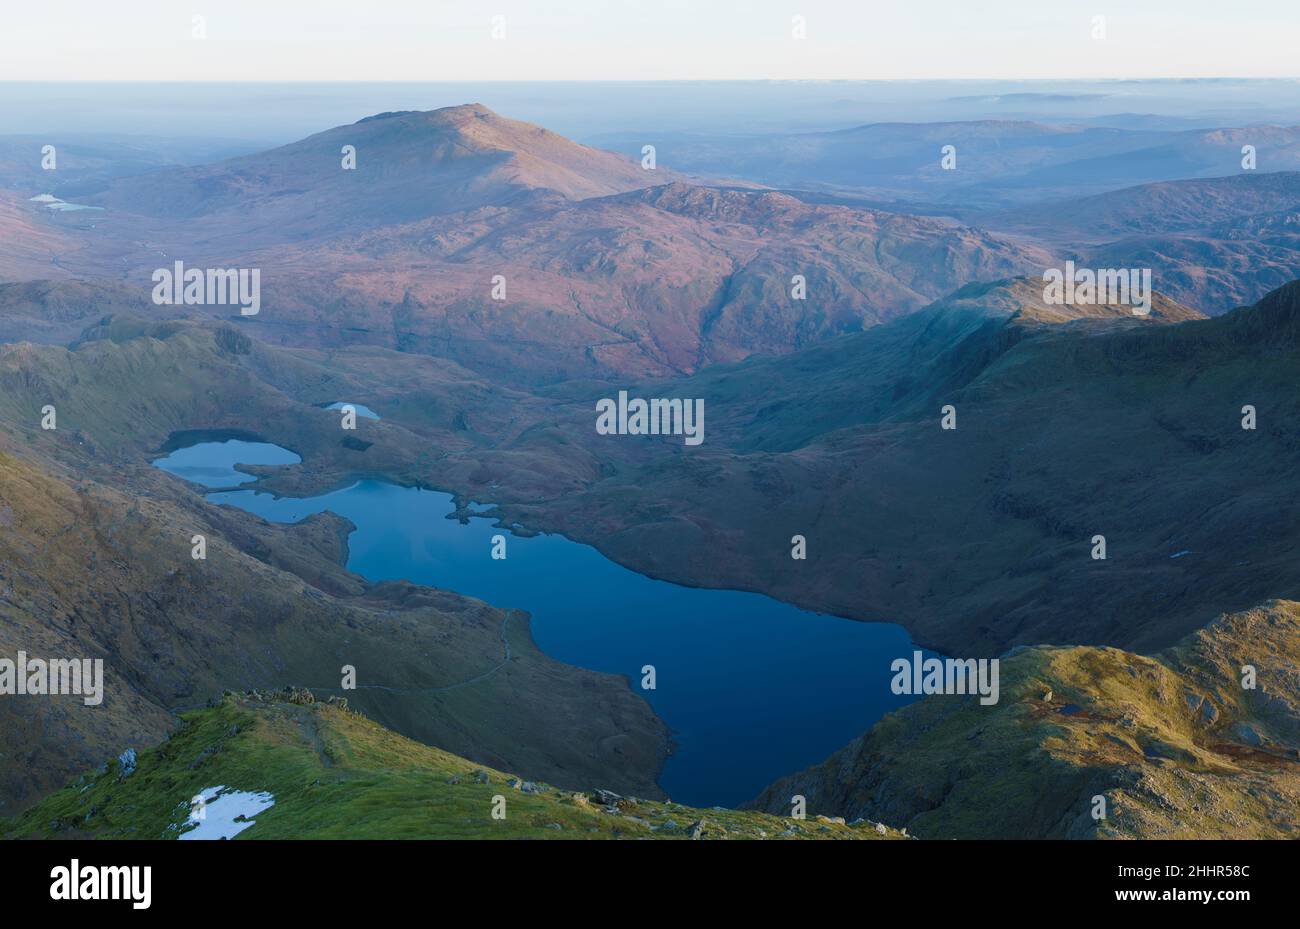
[[1173, 745], [652, 282], [329, 772], [409, 165], [612, 270], [608, 270]]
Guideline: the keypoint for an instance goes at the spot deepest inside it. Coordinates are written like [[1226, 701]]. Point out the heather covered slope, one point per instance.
[[1174, 743], [334, 774]]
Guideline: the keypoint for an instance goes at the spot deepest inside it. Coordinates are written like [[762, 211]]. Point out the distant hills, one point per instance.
[[1169, 207], [609, 269], [614, 270], [999, 163], [1216, 244]]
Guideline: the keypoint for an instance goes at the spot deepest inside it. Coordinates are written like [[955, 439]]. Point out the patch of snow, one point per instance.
[[222, 812]]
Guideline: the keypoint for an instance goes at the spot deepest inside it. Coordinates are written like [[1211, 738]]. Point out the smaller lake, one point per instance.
[[361, 408], [54, 203], [212, 464], [752, 688]]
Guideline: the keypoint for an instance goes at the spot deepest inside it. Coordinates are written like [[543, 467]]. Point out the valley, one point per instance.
[[742, 680], [897, 391]]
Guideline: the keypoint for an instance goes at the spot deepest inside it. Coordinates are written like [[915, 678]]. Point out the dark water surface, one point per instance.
[[753, 688]]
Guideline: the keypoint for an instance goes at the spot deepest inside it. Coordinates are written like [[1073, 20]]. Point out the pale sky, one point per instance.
[[446, 40]]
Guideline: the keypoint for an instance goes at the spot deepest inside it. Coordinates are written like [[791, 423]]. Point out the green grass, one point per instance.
[[337, 775]]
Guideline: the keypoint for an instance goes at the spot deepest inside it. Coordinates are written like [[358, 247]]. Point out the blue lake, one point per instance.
[[752, 688], [212, 464]]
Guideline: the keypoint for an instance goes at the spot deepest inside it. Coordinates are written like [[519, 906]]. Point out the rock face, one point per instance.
[[126, 763], [1135, 761]]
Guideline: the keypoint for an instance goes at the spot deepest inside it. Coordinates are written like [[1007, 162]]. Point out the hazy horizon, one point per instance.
[[261, 114], [593, 40]]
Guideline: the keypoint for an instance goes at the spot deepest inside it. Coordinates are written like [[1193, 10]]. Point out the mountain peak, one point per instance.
[[445, 113], [410, 164]]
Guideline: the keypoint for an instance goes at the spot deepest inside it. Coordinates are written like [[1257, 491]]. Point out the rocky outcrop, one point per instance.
[[1200, 741]]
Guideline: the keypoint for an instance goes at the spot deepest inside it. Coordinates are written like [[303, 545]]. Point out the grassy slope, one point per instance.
[[1176, 745], [336, 774]]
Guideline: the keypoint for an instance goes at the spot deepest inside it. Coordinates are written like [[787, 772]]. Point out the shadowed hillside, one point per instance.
[[976, 538], [980, 537], [88, 571]]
